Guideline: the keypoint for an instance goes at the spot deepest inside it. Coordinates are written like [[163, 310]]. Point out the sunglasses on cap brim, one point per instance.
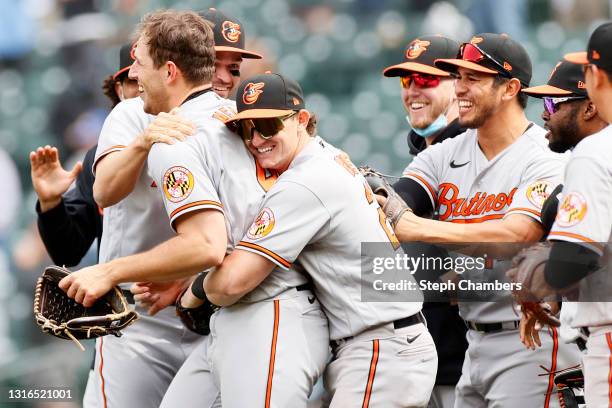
[[552, 104], [420, 80], [266, 127], [472, 53]]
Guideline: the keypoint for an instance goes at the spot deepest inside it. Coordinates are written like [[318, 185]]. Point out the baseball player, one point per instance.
[[137, 223], [69, 222], [383, 353], [582, 231], [429, 98], [204, 199], [569, 116], [119, 86], [287, 332], [488, 185]]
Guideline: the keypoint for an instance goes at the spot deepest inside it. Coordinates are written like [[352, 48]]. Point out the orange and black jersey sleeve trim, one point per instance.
[[274, 257]]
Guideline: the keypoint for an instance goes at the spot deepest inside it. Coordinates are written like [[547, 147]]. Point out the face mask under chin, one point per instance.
[[440, 123]]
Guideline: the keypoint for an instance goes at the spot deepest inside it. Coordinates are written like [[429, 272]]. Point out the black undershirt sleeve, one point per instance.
[[415, 196], [568, 263]]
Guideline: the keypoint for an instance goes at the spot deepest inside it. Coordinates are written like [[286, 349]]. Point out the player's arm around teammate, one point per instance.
[[383, 354], [118, 171], [201, 238]]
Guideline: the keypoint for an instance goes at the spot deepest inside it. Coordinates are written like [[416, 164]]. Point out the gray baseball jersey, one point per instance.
[[286, 330], [319, 212], [145, 359], [585, 217], [138, 222], [465, 187], [214, 170]]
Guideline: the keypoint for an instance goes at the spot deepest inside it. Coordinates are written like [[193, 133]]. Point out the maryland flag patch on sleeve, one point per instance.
[[538, 192], [178, 183], [263, 224], [572, 210]]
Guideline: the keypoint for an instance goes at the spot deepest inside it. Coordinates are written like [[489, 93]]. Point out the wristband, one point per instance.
[[197, 287]]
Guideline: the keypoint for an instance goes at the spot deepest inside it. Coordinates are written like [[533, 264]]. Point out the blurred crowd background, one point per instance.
[[54, 55]]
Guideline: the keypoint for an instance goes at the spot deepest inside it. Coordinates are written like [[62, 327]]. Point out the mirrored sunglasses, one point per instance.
[[266, 127], [420, 80], [552, 104], [472, 53]]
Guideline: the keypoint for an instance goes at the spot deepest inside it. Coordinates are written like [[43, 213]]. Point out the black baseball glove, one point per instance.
[[196, 319], [60, 316]]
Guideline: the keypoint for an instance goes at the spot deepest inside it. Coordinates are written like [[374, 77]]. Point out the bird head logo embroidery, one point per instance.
[[416, 48], [251, 92], [231, 31]]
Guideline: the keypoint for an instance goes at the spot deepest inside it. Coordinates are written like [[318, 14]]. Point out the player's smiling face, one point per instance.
[[477, 96], [151, 85], [227, 72], [278, 152], [424, 105]]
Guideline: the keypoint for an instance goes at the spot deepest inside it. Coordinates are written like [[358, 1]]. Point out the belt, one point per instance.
[[304, 286], [397, 324], [129, 296], [581, 340], [493, 327]]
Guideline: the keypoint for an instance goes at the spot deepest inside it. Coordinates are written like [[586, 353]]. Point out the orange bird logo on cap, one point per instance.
[[231, 31], [581, 85], [416, 48], [595, 55], [476, 40], [252, 92]]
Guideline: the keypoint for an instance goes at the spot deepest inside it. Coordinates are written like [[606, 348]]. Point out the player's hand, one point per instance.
[[530, 326], [167, 128], [88, 284], [49, 178], [155, 296]]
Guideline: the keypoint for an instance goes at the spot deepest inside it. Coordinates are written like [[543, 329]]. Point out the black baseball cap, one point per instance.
[[421, 54], [566, 79], [599, 50], [492, 54], [267, 96], [229, 33], [126, 59]]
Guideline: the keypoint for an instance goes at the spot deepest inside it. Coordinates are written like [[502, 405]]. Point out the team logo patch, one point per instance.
[[507, 66], [581, 85], [538, 192], [595, 55], [476, 40], [178, 183], [231, 31], [252, 92], [416, 48], [572, 210], [262, 225]]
